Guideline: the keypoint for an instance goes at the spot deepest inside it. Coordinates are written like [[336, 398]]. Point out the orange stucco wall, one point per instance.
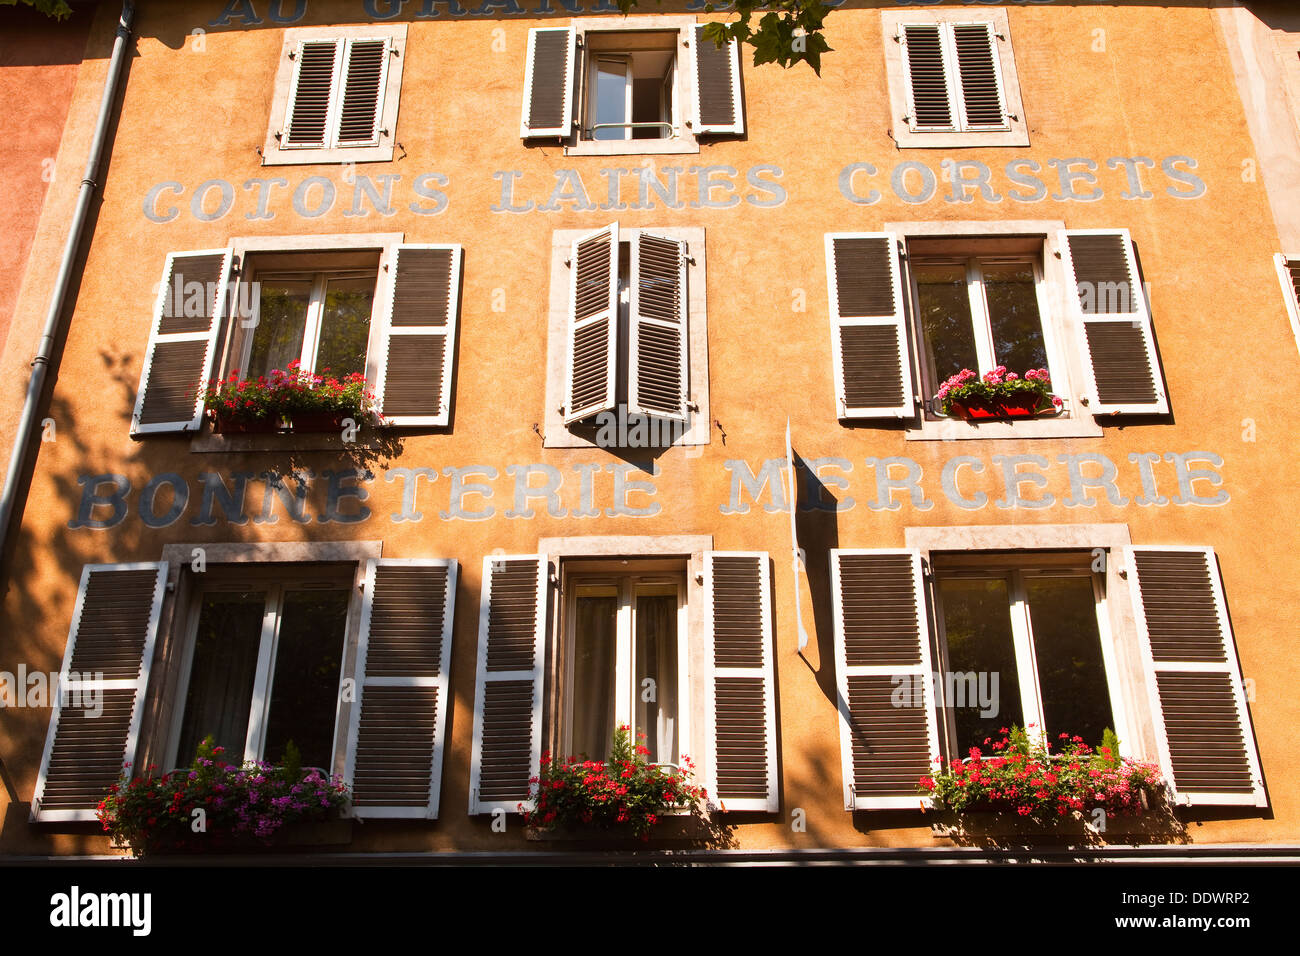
[[189, 117]]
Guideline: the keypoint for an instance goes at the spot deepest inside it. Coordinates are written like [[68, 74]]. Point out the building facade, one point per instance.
[[660, 342]]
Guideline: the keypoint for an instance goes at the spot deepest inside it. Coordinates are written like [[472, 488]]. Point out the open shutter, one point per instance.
[[1203, 730], [931, 93], [548, 82], [718, 104], [365, 73], [182, 344], [396, 731], [312, 97], [739, 589], [658, 365], [96, 721], [873, 368], [1288, 271], [1118, 343], [415, 369], [507, 748], [982, 102], [882, 659], [592, 357]]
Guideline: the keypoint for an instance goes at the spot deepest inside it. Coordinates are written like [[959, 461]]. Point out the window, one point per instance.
[[1288, 271], [952, 79], [978, 295], [336, 302], [336, 95], [628, 362], [652, 89]]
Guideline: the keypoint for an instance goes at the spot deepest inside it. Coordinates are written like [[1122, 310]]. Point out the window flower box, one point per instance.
[[999, 395], [311, 402], [318, 421], [231, 424]]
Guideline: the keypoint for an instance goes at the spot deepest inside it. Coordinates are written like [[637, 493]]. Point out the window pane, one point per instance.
[[656, 662], [1013, 315], [281, 320], [610, 98], [345, 326], [222, 673], [304, 690], [944, 307], [1067, 645], [591, 726], [977, 621]]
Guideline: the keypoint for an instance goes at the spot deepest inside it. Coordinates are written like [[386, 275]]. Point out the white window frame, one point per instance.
[[275, 154], [1283, 263], [904, 130], [697, 432], [1060, 333]]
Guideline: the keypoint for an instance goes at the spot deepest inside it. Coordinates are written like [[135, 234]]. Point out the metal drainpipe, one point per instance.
[[41, 364]]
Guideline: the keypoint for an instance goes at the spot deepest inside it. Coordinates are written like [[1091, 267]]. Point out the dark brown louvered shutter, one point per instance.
[[415, 376], [1118, 341], [929, 90], [188, 315], [889, 730], [977, 73], [739, 588], [311, 99], [592, 357], [873, 374], [658, 383], [397, 725], [717, 87], [508, 689], [548, 82], [1288, 270], [1207, 745], [364, 72], [96, 721]]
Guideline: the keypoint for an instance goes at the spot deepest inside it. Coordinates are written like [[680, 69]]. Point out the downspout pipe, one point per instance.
[[41, 363]]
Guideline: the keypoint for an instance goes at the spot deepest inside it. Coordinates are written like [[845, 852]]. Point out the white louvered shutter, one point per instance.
[[981, 102], [1288, 272], [1118, 342], [508, 690], [869, 345], [718, 106], [882, 659], [592, 353], [1203, 729], [658, 383], [931, 86], [414, 365], [548, 82], [106, 669], [188, 316], [365, 73], [396, 733], [309, 119], [738, 586]]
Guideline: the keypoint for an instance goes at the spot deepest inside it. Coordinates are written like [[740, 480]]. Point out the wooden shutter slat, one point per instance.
[[508, 686], [417, 356], [592, 356], [873, 375], [1198, 701], [658, 382], [398, 719], [548, 82], [718, 107], [738, 588], [882, 632], [109, 653], [311, 99], [1118, 341], [182, 342]]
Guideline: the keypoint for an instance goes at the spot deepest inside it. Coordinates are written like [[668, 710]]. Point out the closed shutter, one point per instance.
[[507, 748], [417, 358], [182, 344], [1203, 730], [1118, 342], [396, 733], [931, 90], [889, 728], [548, 82], [982, 102], [96, 721], [365, 72], [658, 365], [311, 98], [718, 103], [739, 589], [1288, 271], [592, 357], [873, 368]]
